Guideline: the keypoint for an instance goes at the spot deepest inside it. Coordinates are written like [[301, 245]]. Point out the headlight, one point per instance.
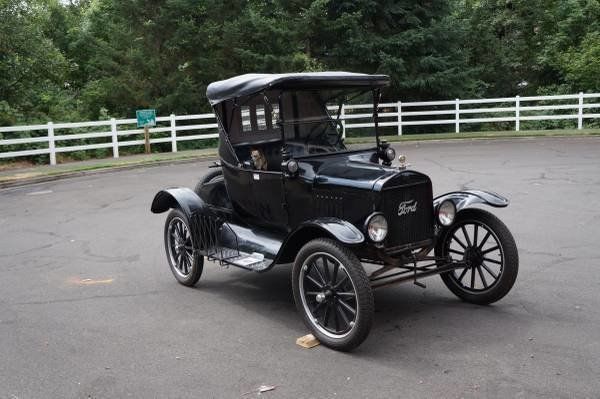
[[446, 213], [390, 154], [377, 227], [292, 166]]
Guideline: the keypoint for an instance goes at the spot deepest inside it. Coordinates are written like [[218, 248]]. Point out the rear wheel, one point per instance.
[[486, 246], [207, 178], [216, 196], [333, 293], [186, 264]]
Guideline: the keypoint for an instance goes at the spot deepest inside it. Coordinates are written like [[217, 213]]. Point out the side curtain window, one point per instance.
[[253, 122], [246, 120]]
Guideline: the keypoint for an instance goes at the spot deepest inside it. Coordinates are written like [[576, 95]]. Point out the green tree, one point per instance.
[[581, 64], [33, 71], [532, 46], [571, 47], [418, 44]]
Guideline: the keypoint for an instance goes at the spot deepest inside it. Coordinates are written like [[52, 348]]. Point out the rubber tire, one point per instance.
[[511, 258], [198, 264], [207, 178], [365, 301]]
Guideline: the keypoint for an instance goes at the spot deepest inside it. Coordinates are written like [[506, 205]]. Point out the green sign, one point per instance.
[[145, 117]]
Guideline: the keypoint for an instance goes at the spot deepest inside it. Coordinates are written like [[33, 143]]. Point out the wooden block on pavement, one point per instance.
[[307, 341]]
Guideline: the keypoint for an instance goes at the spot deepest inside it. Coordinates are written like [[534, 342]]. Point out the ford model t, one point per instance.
[[287, 190]]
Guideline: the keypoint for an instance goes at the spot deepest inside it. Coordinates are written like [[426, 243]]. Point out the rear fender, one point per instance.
[[334, 228], [177, 197], [468, 198]]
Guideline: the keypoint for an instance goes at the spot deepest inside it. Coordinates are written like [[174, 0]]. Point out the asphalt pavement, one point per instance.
[[89, 308]]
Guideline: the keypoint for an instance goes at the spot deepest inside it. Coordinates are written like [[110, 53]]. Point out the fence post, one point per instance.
[[343, 118], [115, 137], [580, 112], [457, 116], [173, 134], [399, 105], [51, 146], [517, 113]]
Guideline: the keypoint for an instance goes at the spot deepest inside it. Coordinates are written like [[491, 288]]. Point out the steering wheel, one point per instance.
[[312, 131], [310, 134], [332, 138], [317, 150]]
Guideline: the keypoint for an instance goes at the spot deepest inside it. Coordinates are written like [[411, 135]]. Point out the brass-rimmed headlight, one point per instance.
[[390, 154], [292, 166], [377, 227], [446, 213]]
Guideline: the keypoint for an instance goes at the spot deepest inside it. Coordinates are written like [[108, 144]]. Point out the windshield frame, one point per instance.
[[335, 122]]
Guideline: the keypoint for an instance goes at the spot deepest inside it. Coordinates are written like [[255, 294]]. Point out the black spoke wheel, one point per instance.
[[185, 263], [333, 294], [485, 245]]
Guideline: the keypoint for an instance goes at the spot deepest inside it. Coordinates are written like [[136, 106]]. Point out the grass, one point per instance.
[[21, 174]]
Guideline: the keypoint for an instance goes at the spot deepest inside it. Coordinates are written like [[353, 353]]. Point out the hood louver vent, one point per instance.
[[328, 204]]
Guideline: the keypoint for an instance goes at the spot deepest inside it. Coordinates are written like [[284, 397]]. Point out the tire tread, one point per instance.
[[361, 283], [511, 259]]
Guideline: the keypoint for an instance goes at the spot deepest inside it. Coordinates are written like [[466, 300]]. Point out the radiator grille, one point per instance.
[[409, 211]]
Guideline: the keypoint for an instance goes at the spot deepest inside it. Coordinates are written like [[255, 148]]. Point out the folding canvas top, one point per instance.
[[245, 85]]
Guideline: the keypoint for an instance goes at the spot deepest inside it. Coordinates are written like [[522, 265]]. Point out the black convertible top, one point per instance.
[[252, 83]]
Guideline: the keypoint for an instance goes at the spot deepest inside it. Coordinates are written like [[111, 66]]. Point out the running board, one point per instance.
[[250, 261], [231, 244]]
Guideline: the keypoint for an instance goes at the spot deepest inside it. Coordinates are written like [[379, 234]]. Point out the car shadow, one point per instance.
[[408, 319]]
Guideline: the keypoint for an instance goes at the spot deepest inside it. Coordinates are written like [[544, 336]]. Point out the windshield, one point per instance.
[[308, 122], [312, 120]]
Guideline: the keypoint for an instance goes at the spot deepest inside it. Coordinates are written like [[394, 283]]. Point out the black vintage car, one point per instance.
[[287, 190]]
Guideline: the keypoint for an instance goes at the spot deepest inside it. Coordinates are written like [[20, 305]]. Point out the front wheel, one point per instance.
[[488, 250], [333, 293]]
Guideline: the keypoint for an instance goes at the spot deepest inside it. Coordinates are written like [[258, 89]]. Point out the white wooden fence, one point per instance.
[[113, 133], [118, 136]]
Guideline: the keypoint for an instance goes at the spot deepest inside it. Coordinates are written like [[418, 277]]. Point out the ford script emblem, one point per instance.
[[407, 207]]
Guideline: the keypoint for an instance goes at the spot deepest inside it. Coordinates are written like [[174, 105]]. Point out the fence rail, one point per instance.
[[355, 116]]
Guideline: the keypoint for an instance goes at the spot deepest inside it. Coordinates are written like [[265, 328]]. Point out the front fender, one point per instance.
[[335, 228], [339, 229], [177, 197], [467, 198]]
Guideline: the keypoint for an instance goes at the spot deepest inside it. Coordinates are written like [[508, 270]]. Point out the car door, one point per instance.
[[268, 201]]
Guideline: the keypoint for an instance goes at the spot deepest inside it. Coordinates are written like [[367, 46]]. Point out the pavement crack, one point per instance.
[[544, 253], [455, 170], [113, 202], [465, 185], [543, 177], [45, 246], [87, 298]]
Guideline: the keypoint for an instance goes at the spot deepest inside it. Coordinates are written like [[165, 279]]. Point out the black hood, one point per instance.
[[355, 170], [349, 172]]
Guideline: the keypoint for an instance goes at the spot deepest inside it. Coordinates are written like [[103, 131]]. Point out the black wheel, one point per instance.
[[211, 175], [485, 244], [185, 264], [217, 196], [333, 293]]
